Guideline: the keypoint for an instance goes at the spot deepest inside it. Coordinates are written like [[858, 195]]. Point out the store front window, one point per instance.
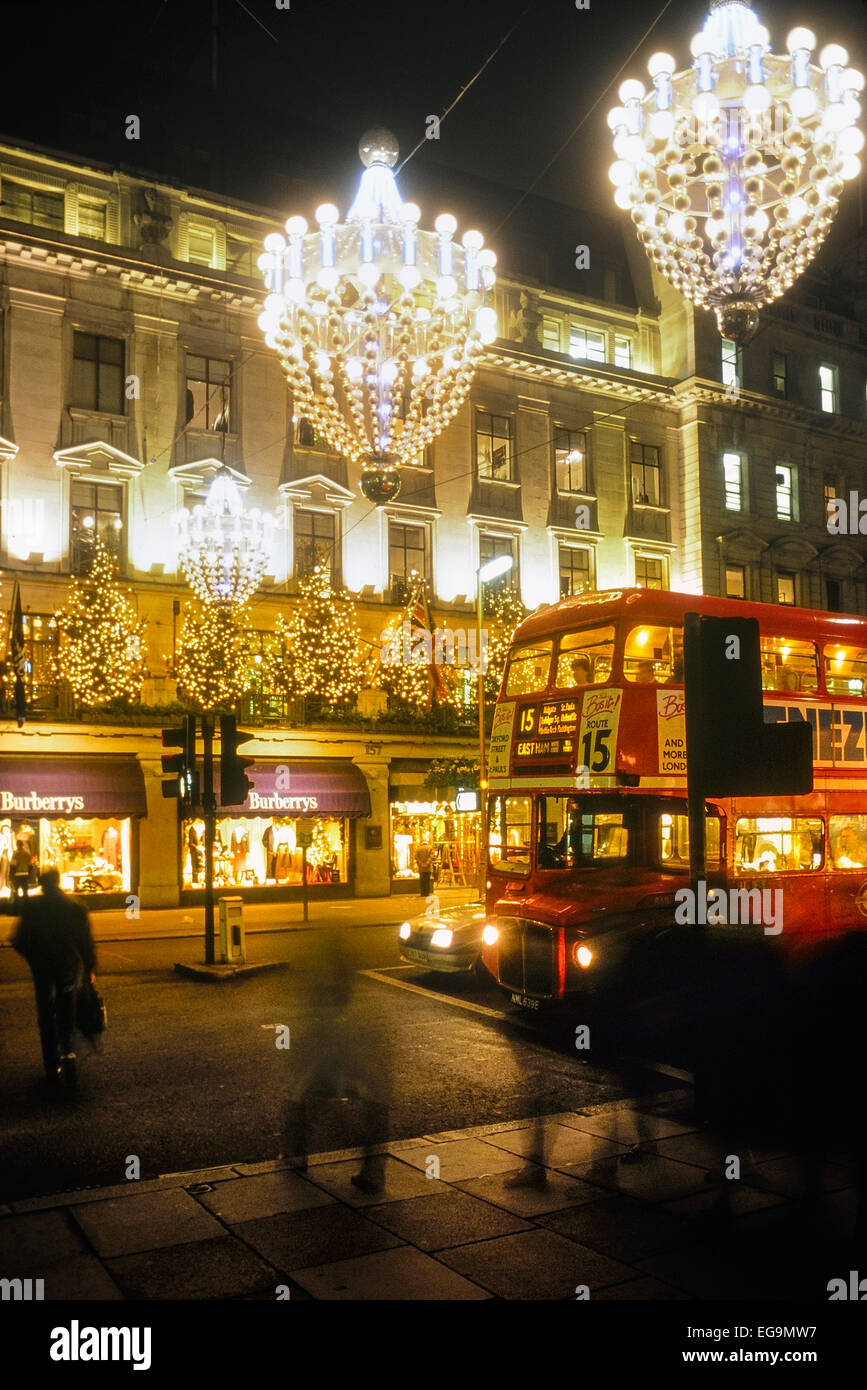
[[261, 851], [91, 855], [453, 836]]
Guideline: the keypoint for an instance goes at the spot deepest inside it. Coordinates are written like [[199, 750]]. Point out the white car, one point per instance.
[[450, 941]]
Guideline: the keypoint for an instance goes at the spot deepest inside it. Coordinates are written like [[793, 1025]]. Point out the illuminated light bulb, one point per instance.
[[409, 276], [486, 324], [706, 106], [836, 117], [833, 55], [801, 38], [620, 173], [661, 125], [294, 290], [623, 197], [850, 167], [677, 224], [798, 210], [661, 64], [410, 212], [473, 241], [849, 141], [446, 286], [274, 243], [445, 224], [328, 278], [700, 44], [388, 371], [368, 273], [296, 226], [326, 214], [851, 80], [616, 117], [756, 99], [354, 368], [631, 90], [803, 102], [420, 367]]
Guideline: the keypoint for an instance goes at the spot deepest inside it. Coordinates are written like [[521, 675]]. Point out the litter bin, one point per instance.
[[233, 948]]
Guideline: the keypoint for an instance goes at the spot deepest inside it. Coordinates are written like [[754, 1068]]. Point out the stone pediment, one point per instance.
[[96, 456], [198, 475], [842, 559], [318, 488], [792, 551], [743, 546]]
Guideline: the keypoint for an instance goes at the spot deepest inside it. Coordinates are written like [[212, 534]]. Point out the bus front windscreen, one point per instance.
[[576, 831]]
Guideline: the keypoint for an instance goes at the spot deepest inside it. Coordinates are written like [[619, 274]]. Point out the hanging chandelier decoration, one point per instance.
[[224, 549], [378, 324], [732, 169]]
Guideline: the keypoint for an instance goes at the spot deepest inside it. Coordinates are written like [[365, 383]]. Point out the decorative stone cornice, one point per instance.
[[317, 485], [198, 475], [98, 457]]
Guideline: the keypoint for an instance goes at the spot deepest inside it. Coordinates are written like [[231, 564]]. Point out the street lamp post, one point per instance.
[[491, 569]]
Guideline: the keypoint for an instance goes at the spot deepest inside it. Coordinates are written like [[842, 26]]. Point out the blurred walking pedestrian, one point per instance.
[[54, 937]]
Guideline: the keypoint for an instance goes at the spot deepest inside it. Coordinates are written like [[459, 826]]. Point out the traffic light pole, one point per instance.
[[209, 808]]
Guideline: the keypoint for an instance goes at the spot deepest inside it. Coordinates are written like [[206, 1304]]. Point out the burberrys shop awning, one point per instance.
[[307, 789], [71, 787]]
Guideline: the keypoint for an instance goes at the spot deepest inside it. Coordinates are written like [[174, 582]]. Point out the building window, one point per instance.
[[785, 476], [407, 555], [96, 511], [785, 587], [586, 343], [308, 437], [733, 474], [622, 351], [241, 256], [736, 581], [833, 596], [828, 388], [651, 572], [831, 495], [490, 547], [316, 543], [646, 471], [551, 334], [731, 362], [209, 393], [201, 245], [91, 219], [494, 452], [781, 373], [576, 570], [97, 373], [22, 203], [570, 460], [40, 655]]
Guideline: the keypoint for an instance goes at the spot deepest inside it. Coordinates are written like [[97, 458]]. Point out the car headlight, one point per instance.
[[442, 937], [582, 955], [489, 935], [405, 931]]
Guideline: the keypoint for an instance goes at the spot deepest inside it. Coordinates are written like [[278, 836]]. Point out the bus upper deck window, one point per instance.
[[585, 657], [653, 654], [789, 665], [845, 670], [528, 668]]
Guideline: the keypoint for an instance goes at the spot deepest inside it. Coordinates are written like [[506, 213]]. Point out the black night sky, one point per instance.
[[267, 104]]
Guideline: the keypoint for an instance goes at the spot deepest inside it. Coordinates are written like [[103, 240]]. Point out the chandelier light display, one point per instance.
[[377, 323], [733, 168], [224, 550]]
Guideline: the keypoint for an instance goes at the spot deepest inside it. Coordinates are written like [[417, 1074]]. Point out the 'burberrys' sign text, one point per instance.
[[34, 802], [282, 803]]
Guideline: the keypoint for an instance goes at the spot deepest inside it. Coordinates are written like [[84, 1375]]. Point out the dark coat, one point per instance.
[[53, 934]]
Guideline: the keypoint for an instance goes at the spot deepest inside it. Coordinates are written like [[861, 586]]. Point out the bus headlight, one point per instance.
[[405, 931], [442, 937], [489, 935], [582, 955]]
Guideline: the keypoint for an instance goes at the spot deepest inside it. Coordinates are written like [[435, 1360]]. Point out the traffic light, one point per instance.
[[234, 782], [180, 768], [737, 753]]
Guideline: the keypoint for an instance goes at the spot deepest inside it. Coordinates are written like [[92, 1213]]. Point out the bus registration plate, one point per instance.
[[525, 1001]]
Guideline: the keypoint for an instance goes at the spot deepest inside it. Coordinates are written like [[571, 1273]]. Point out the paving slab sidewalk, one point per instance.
[[609, 1221]]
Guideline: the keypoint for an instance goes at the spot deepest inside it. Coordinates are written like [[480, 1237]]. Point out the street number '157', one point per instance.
[[595, 744]]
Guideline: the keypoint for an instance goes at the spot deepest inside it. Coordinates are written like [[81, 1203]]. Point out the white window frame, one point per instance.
[[623, 341], [730, 362], [728, 456], [829, 394], [576, 331], [550, 327], [782, 490]]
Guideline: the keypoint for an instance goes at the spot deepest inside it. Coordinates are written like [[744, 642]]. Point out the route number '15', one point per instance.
[[596, 741], [528, 719]]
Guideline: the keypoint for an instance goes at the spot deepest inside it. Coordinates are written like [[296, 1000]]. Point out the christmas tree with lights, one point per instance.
[[214, 656], [100, 647], [315, 651], [507, 611]]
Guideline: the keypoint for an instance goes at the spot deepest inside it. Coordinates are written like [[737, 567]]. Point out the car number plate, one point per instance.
[[412, 954], [525, 1001]]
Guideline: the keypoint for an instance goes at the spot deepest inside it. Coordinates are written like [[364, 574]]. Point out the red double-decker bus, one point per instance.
[[587, 817]]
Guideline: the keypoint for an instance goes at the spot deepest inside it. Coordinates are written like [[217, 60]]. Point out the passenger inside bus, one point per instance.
[[644, 673], [582, 671], [849, 851]]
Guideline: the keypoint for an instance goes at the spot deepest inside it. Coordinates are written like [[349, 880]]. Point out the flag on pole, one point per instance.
[[421, 617], [18, 655]]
